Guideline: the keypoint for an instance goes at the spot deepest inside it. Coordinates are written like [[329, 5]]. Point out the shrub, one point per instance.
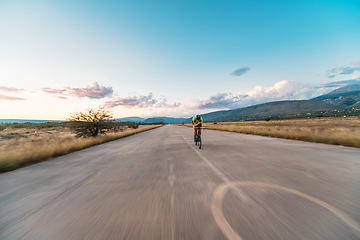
[[133, 125], [92, 122]]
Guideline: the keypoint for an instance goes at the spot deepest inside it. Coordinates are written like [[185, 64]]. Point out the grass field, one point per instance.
[[337, 131], [23, 146]]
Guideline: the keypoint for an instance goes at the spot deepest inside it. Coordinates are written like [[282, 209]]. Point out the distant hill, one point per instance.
[[154, 120], [340, 92], [341, 103], [167, 120], [26, 121], [340, 100], [131, 119]]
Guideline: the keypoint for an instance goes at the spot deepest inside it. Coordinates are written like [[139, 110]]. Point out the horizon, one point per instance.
[[163, 116], [173, 59]]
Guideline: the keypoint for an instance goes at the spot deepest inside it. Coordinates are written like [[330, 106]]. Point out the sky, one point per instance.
[[171, 58]]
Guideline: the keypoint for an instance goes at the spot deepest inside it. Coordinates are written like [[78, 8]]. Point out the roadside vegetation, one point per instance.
[[23, 144], [337, 131]]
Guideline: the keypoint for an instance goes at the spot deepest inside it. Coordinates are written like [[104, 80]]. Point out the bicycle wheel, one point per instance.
[[199, 139]]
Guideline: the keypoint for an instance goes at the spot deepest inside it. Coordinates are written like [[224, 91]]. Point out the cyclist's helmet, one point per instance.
[[198, 116]]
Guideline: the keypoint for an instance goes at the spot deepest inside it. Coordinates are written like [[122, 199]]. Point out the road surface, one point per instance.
[[158, 185]]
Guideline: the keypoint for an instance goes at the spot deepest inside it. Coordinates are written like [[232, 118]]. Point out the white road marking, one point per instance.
[[217, 171], [171, 179], [223, 177]]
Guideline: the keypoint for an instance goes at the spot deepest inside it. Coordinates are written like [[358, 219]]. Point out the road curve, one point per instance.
[[158, 185]]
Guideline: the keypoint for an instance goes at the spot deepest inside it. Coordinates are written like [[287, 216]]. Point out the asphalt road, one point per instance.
[[158, 185]]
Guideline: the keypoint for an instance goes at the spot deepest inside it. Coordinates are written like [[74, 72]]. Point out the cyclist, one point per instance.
[[197, 123]]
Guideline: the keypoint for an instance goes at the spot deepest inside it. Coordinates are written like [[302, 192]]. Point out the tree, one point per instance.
[[92, 122]]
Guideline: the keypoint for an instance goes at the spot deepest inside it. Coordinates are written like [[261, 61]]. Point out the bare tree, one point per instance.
[[92, 122]]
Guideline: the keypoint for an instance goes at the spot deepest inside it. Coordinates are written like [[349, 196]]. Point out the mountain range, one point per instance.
[[154, 120], [339, 92], [341, 100]]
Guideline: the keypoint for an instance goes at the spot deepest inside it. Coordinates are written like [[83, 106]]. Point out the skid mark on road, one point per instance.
[[231, 234], [220, 191]]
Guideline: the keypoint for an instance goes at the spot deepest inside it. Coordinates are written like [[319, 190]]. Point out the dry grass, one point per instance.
[[21, 147], [337, 131]]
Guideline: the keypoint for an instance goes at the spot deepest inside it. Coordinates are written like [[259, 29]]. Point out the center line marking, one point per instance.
[[217, 171]]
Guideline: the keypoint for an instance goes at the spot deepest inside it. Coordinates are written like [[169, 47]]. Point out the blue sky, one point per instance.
[[171, 58]]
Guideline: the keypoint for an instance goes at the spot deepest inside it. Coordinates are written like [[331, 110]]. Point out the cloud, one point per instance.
[[54, 91], [342, 83], [94, 90], [282, 90], [140, 102], [134, 101], [10, 98], [357, 62], [10, 89], [239, 72], [61, 97], [333, 72], [348, 70], [221, 101]]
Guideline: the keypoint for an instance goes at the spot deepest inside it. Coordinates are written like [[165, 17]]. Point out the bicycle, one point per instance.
[[198, 138]]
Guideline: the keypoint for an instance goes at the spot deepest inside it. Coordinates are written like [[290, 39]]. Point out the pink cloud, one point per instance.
[[94, 90], [61, 97], [140, 102], [130, 102], [10, 89], [54, 91], [10, 98]]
